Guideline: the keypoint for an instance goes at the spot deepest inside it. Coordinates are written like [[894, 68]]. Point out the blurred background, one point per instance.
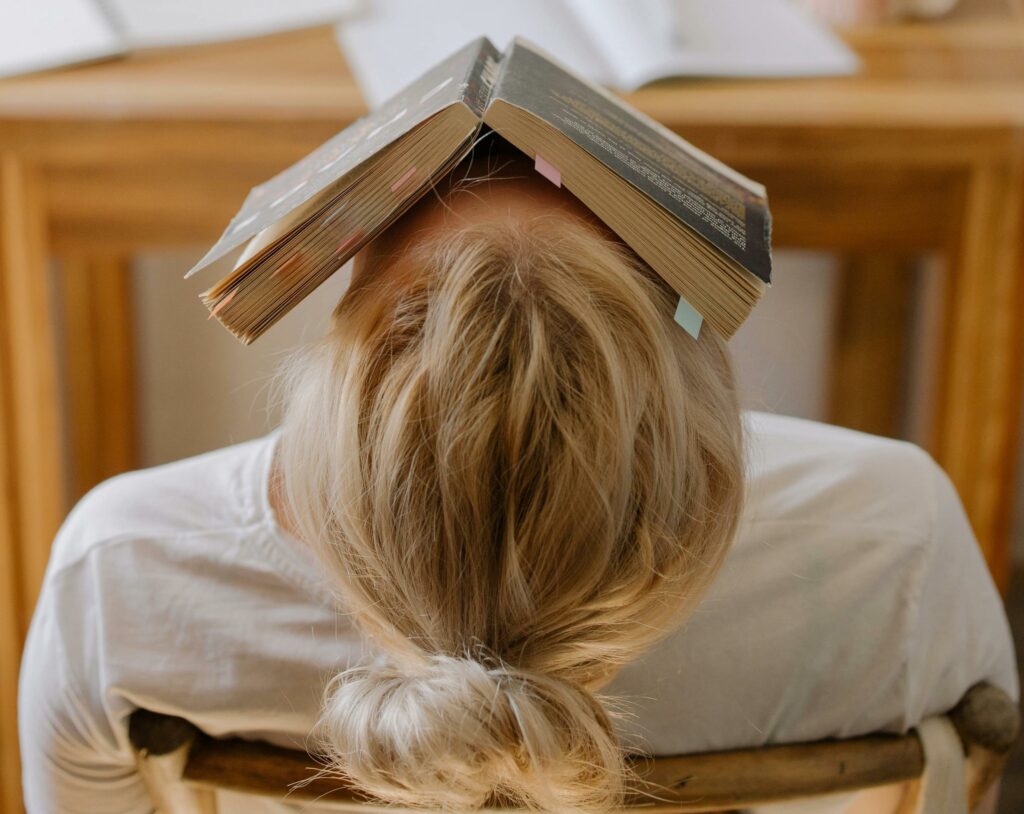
[[890, 135]]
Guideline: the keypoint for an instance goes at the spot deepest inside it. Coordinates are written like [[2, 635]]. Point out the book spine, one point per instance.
[[479, 82]]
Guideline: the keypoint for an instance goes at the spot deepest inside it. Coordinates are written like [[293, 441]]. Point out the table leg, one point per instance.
[[33, 456], [978, 400], [31, 471], [869, 359], [10, 612], [99, 360]]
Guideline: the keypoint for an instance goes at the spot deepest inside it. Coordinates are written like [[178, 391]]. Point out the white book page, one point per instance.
[[754, 38], [636, 38], [396, 40], [36, 35], [646, 40], [185, 22]]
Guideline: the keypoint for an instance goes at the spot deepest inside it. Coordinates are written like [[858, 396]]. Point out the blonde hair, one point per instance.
[[521, 474]]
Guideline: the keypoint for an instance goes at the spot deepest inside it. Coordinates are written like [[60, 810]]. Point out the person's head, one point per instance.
[[521, 473]]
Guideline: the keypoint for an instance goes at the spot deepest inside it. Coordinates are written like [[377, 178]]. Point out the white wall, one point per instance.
[[782, 351], [199, 387]]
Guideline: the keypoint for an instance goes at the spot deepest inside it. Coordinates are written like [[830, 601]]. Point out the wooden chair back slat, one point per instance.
[[722, 780], [172, 751]]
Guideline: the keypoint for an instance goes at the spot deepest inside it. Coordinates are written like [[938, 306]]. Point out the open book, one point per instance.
[[38, 35], [618, 43], [702, 227]]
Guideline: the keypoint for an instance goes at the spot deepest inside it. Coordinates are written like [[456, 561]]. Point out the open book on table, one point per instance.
[[617, 43], [38, 35]]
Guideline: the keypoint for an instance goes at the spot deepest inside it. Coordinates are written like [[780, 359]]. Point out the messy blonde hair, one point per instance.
[[521, 474]]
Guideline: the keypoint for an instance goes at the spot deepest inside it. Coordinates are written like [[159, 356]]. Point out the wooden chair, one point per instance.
[[183, 767]]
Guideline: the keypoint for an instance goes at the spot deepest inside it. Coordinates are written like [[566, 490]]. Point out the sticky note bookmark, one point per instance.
[[220, 305], [688, 318], [401, 181], [347, 242], [548, 170]]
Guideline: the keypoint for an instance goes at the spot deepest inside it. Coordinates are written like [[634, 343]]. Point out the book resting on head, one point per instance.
[[705, 229]]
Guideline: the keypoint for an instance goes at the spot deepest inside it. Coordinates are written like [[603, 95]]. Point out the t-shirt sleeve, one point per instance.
[[74, 757], [959, 633]]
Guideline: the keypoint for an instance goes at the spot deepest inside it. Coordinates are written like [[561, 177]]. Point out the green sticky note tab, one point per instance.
[[688, 318]]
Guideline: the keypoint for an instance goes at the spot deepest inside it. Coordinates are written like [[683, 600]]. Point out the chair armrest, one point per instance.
[[158, 734], [163, 746], [987, 717], [988, 723]]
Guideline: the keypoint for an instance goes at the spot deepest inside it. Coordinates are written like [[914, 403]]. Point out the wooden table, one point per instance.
[[923, 152]]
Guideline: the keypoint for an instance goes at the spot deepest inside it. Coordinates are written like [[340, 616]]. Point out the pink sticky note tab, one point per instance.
[[220, 305], [347, 242], [287, 265], [548, 170], [402, 181]]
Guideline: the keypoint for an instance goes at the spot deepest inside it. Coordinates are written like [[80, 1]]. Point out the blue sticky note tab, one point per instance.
[[688, 318]]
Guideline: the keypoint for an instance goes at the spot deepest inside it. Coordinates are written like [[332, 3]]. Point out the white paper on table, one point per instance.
[[646, 40], [613, 42], [770, 38], [36, 35], [40, 34], [146, 23]]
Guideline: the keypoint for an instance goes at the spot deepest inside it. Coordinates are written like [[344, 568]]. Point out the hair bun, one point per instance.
[[458, 733]]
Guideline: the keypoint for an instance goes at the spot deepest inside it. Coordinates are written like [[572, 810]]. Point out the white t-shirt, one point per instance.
[[854, 599]]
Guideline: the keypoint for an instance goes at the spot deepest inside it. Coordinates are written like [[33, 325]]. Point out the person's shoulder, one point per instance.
[[214, 491], [855, 576], [808, 472]]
